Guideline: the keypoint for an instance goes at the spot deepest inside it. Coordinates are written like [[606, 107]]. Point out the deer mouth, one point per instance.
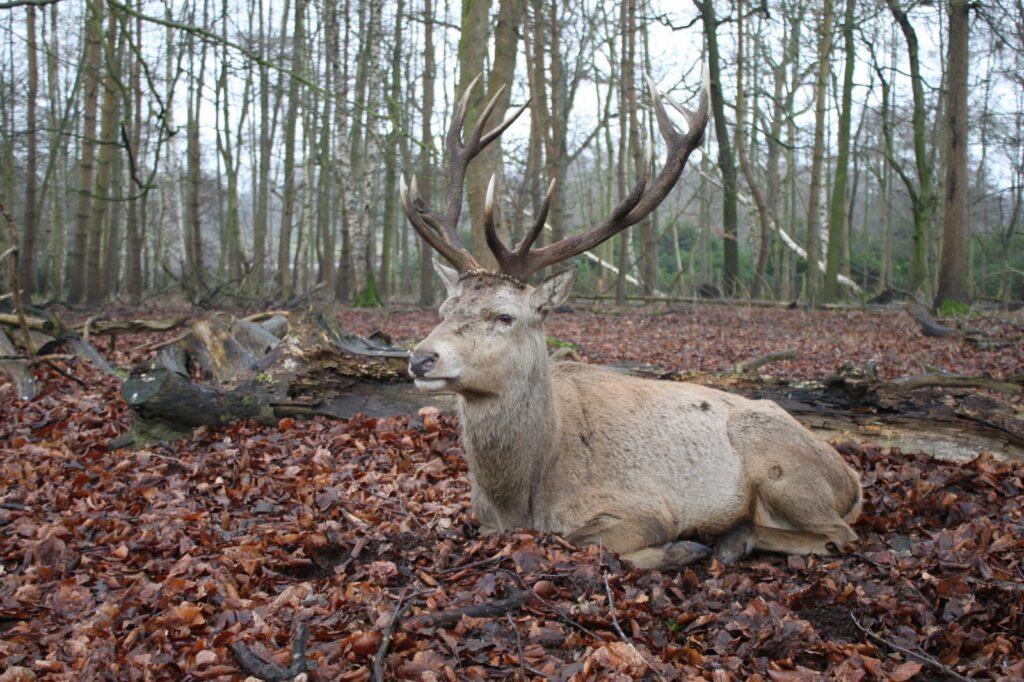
[[434, 384]]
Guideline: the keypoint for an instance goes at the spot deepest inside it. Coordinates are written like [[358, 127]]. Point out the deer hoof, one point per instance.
[[685, 552], [735, 545]]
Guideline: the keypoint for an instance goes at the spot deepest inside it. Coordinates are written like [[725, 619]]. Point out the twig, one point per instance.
[[378, 661], [19, 306], [519, 645], [488, 610], [163, 344], [754, 363], [919, 655], [476, 564], [52, 357], [270, 671], [87, 328], [611, 610], [48, 359], [996, 583], [562, 616]]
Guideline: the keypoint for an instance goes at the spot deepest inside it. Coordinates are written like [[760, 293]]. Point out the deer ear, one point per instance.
[[450, 276], [554, 291]]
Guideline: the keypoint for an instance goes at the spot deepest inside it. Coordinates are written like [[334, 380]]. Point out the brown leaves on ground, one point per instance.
[[713, 338], [148, 564]]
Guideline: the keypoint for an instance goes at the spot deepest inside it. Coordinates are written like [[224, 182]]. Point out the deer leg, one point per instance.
[[669, 555], [747, 537], [639, 538]]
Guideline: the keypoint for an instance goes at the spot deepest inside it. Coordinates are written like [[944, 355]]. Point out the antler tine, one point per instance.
[[496, 132], [426, 224], [460, 154], [645, 195], [538, 222], [494, 243]]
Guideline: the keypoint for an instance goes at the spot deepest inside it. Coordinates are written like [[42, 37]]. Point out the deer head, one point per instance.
[[492, 322]]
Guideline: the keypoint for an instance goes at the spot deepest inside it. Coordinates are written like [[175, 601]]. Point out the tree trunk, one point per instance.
[[289, 194], [27, 279], [726, 160], [472, 51], [764, 211], [921, 197], [953, 270], [95, 290], [133, 248], [391, 159], [818, 161], [92, 67], [426, 150], [837, 205]]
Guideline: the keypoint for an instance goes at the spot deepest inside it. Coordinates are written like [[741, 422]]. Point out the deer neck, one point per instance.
[[509, 438]]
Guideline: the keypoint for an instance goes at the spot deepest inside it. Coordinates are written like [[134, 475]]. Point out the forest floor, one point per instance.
[[159, 563]]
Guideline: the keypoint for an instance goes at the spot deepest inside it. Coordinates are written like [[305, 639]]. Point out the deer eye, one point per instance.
[[505, 319]]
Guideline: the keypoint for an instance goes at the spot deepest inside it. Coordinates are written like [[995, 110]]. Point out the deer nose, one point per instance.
[[421, 363]]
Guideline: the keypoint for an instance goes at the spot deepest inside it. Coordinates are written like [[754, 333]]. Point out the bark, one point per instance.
[[27, 277], [627, 8], [134, 283], [261, 212], [764, 211], [813, 214], [95, 290], [363, 154], [953, 268], [346, 199], [472, 51], [283, 277], [426, 150], [316, 368], [837, 215], [726, 159], [921, 196], [391, 159], [92, 67]]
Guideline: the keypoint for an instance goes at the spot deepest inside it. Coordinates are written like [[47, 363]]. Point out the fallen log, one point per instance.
[[248, 373], [17, 368], [101, 326], [768, 358], [953, 421]]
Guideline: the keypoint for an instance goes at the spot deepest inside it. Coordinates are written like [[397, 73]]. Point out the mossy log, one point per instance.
[[226, 369]]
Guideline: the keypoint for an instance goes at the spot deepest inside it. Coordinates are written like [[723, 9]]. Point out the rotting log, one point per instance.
[[914, 414], [768, 358], [17, 368], [247, 373]]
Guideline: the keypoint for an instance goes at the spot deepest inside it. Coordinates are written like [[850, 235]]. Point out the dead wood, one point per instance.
[[929, 327], [246, 372], [272, 672], [450, 618], [98, 326], [957, 381], [33, 323], [17, 368], [930, 661], [768, 358], [378, 661]]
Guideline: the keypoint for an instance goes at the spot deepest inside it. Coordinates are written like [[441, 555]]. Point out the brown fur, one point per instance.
[[631, 464]]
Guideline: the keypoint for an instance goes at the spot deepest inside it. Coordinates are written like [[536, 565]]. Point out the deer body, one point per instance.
[[628, 463], [634, 465]]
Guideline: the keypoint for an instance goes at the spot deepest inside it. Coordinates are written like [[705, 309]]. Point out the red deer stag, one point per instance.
[[601, 458]]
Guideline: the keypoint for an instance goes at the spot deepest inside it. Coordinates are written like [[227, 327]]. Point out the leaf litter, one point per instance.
[[149, 565]]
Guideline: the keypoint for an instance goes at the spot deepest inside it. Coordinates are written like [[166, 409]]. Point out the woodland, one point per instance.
[[213, 464]]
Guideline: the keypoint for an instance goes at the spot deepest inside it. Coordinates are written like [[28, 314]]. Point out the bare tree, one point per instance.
[[953, 267], [818, 160]]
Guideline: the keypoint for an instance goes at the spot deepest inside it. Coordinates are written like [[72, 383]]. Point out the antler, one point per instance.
[[522, 262], [441, 232]]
